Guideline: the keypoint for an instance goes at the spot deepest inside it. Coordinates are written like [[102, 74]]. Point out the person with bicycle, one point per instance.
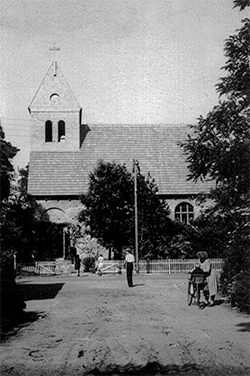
[[211, 278], [197, 283]]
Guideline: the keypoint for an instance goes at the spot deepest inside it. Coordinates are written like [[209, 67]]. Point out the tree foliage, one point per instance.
[[25, 229], [242, 4], [109, 210], [11, 303], [18, 221], [108, 205], [219, 149], [38, 237], [7, 153], [236, 84]]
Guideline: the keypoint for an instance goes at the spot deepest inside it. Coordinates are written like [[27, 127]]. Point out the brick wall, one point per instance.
[[72, 131], [62, 210], [68, 210]]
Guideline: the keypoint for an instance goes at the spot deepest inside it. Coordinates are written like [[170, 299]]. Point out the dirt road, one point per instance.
[[90, 325]]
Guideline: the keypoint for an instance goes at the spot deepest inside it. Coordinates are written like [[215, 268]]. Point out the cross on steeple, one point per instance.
[[55, 49]]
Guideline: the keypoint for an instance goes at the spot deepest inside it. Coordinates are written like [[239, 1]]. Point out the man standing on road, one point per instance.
[[100, 264], [129, 260], [77, 265], [73, 253]]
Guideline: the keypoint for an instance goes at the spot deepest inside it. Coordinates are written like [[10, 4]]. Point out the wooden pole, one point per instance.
[[136, 217], [64, 244]]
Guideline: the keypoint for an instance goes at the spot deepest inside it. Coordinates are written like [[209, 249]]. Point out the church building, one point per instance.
[[64, 150]]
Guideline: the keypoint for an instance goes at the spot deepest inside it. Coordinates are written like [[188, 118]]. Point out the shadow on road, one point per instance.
[[218, 302], [11, 319], [11, 325], [245, 327], [33, 291]]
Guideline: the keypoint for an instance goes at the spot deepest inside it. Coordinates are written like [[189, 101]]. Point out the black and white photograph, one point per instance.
[[125, 187]]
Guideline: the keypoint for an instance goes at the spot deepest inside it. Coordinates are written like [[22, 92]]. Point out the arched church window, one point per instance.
[[61, 130], [48, 131], [184, 212]]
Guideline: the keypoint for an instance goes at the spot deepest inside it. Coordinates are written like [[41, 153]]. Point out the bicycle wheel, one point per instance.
[[190, 298], [190, 295]]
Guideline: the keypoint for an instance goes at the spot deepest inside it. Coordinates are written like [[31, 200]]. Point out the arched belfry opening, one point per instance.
[[56, 115], [48, 131], [61, 131]]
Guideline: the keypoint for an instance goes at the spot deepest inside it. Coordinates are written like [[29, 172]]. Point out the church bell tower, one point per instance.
[[56, 115]]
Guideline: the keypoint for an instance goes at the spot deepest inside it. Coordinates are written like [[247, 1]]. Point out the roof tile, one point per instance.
[[156, 147]]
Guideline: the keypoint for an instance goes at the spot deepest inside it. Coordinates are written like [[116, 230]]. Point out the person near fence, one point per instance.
[[77, 265], [129, 260], [148, 266], [197, 279], [100, 264], [211, 277], [73, 253]]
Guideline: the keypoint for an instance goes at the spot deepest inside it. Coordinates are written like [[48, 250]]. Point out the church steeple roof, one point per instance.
[[54, 93]]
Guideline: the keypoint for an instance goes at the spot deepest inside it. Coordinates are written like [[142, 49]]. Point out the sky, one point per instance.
[[126, 61]]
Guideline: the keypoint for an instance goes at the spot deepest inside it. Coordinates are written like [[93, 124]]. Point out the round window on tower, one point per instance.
[[54, 97]]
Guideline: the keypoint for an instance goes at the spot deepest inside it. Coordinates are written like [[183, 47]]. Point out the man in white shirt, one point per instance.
[[100, 264], [129, 266]]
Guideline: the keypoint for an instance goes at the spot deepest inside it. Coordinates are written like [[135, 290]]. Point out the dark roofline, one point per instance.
[[180, 196], [57, 198], [167, 125], [77, 197]]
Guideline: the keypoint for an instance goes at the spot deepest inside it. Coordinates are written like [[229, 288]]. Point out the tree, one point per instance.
[[19, 220], [108, 205], [38, 237], [236, 84], [109, 209], [219, 149], [241, 3], [7, 152], [155, 228], [11, 303]]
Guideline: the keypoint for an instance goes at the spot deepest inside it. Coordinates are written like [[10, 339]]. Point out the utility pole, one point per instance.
[[64, 243], [135, 168]]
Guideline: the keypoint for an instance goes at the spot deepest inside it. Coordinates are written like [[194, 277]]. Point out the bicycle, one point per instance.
[[196, 284]]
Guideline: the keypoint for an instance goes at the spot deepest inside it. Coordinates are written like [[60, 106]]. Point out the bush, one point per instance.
[[238, 292], [235, 276], [240, 296], [89, 264], [11, 303]]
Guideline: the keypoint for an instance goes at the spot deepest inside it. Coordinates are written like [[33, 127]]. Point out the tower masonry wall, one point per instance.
[[72, 131]]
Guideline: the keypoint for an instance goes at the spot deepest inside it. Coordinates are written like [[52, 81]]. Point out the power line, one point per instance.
[[18, 119], [14, 127], [19, 136]]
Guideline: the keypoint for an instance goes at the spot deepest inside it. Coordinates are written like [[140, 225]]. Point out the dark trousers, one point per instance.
[[130, 273]]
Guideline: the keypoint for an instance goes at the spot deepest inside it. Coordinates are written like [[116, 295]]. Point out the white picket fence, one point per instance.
[[170, 266], [37, 268]]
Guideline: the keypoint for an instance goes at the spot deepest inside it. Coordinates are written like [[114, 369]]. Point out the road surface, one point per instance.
[[92, 325]]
